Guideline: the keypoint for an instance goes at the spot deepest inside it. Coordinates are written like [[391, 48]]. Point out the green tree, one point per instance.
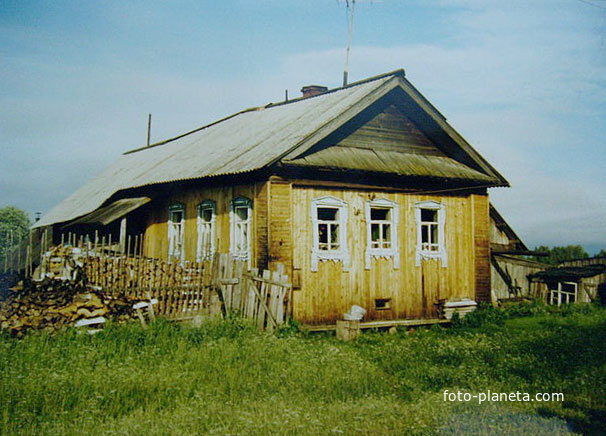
[[602, 253], [14, 226], [560, 254]]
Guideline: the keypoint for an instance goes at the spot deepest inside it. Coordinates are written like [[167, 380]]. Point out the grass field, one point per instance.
[[227, 378]]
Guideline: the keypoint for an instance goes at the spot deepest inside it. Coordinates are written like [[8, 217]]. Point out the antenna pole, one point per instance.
[[350, 29], [148, 128]]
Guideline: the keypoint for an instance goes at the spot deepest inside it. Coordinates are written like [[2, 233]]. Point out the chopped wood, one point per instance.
[[53, 304]]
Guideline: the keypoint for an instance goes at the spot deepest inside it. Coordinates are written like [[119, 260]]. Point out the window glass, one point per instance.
[[242, 213], [380, 214], [207, 215], [327, 214]]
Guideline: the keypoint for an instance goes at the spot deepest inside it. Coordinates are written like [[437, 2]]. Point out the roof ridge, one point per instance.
[[399, 72]]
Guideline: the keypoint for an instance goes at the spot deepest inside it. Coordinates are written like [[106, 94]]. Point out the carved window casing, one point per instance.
[[382, 231], [205, 246], [430, 217], [176, 225], [240, 218], [329, 221]]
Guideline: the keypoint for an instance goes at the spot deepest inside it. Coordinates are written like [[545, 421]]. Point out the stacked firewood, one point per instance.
[[61, 261], [53, 304]]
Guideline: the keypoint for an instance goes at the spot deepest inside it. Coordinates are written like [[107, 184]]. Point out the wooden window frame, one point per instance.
[[342, 253], [559, 293], [378, 252], [422, 253], [236, 226], [172, 228], [206, 227]]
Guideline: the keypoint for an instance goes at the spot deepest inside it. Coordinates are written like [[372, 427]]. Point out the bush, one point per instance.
[[291, 328], [485, 314], [532, 308]]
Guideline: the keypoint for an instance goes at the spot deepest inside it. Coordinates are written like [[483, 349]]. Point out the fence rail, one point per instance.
[[261, 296], [182, 289]]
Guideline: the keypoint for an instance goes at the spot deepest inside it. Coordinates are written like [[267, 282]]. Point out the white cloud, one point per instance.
[[527, 89]]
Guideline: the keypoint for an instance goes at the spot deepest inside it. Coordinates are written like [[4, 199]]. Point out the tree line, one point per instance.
[[14, 227], [556, 255]]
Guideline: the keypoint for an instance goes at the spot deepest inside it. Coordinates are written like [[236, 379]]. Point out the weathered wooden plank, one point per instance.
[[264, 313], [237, 290], [381, 324], [481, 247], [280, 232]]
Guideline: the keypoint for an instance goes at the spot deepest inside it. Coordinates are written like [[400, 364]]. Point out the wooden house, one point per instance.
[[365, 193]]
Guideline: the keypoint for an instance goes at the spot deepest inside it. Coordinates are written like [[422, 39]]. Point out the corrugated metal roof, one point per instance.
[[245, 142], [384, 161], [570, 272], [254, 138], [115, 210]]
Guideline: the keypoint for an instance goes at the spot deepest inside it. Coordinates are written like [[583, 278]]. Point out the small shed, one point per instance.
[[572, 284]]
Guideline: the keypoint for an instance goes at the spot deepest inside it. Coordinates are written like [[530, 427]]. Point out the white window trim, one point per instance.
[[175, 207], [212, 206], [559, 292], [342, 254], [386, 253], [240, 255], [426, 254]]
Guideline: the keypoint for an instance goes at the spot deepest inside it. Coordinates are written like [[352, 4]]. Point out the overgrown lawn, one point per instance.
[[227, 378]]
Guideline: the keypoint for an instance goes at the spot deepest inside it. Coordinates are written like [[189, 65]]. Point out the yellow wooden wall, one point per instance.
[[481, 229], [281, 232], [156, 234], [328, 293]]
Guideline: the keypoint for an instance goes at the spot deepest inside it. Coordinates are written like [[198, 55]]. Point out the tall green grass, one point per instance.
[[227, 378]]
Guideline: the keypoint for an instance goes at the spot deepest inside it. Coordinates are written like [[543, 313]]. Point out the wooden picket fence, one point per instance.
[[183, 290], [261, 296]]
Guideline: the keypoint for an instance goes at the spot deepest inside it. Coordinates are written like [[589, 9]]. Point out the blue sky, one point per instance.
[[523, 81]]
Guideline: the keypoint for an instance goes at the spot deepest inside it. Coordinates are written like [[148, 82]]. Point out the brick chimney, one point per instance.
[[311, 90]]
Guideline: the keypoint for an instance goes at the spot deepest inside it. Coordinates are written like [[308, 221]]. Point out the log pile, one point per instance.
[[53, 304], [62, 261], [73, 284], [60, 295]]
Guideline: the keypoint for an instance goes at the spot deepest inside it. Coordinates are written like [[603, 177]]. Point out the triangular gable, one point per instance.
[[502, 234], [391, 130], [420, 130]]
